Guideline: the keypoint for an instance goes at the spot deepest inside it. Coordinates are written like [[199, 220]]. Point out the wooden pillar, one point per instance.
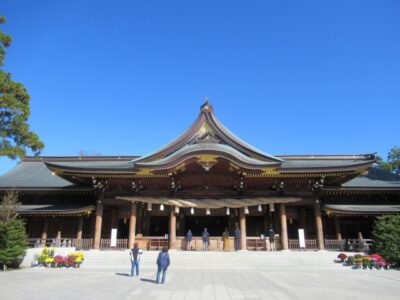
[[80, 228], [318, 225], [44, 231], [132, 225], [284, 233], [337, 228], [99, 220], [172, 228], [242, 222]]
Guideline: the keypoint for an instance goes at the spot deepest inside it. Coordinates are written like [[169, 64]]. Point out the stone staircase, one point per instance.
[[295, 260]]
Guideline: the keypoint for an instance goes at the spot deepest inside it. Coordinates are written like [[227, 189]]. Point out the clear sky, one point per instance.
[[289, 77]]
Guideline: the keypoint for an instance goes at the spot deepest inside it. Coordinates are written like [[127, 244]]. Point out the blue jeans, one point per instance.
[[164, 272], [205, 245], [237, 244], [135, 265]]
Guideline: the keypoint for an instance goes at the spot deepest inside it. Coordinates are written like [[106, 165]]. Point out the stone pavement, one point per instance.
[[212, 275]]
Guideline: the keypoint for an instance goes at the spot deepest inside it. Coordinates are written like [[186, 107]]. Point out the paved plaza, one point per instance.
[[212, 275]]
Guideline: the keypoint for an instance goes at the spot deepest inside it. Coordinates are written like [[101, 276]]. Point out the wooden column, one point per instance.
[[284, 234], [318, 225], [242, 222], [99, 220], [44, 231], [132, 225], [172, 228], [80, 228], [337, 228]]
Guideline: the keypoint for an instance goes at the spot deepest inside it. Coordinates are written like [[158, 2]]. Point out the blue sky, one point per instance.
[[289, 77]]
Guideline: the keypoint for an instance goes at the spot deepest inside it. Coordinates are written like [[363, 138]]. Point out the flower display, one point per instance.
[[342, 256]]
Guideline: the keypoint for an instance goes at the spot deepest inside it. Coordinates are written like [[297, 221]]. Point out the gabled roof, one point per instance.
[[208, 129]]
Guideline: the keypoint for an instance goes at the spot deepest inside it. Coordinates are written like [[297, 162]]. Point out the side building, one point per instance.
[[206, 178]]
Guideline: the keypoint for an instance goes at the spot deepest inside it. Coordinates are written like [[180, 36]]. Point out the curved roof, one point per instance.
[[196, 150], [32, 174], [208, 129]]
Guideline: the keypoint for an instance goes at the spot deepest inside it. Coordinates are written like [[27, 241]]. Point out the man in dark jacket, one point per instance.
[[271, 235], [205, 236], [189, 238], [162, 264], [238, 236]]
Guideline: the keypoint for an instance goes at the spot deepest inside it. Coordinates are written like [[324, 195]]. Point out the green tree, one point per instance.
[[13, 238], [13, 243], [15, 134], [386, 234], [393, 161]]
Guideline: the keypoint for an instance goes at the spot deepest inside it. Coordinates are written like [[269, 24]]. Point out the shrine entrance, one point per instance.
[[215, 224]]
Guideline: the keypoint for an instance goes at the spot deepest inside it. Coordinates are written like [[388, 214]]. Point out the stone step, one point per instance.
[[216, 260]]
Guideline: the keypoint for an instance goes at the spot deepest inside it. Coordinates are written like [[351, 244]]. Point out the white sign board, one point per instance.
[[302, 241], [113, 237]]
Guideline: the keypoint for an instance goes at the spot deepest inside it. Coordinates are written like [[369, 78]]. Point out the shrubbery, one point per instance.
[[387, 237], [13, 242]]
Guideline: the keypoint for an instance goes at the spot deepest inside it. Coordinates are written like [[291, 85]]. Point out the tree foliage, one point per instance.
[[15, 133], [386, 234], [13, 238], [393, 161], [8, 207]]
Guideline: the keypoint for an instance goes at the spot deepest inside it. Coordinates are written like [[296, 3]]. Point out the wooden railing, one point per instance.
[[157, 243], [334, 244], [311, 244], [256, 244], [121, 244], [82, 244], [38, 242]]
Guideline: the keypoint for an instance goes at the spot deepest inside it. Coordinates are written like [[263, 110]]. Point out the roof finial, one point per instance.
[[206, 106]]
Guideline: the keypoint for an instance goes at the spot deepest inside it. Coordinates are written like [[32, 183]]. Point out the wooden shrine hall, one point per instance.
[[206, 178]]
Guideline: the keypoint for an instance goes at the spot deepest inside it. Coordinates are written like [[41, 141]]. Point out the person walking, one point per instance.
[[135, 254], [189, 238], [163, 262], [225, 237], [205, 237], [238, 236], [271, 235]]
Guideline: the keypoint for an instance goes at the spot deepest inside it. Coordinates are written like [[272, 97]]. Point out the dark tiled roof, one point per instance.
[[32, 174], [376, 177], [323, 163], [54, 208], [362, 209]]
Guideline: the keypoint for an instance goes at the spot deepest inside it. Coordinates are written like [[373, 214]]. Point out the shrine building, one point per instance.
[[206, 178]]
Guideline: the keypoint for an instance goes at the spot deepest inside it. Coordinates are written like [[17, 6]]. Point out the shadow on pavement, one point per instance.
[[148, 280], [123, 274]]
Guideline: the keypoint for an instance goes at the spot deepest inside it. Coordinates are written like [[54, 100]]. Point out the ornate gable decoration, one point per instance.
[[207, 137]]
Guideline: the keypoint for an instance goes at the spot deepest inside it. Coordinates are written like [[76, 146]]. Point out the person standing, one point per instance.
[[225, 237], [205, 237], [163, 262], [189, 238], [271, 235], [238, 236], [135, 254]]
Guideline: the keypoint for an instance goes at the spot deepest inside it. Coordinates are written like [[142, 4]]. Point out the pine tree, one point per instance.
[[387, 237], [15, 134]]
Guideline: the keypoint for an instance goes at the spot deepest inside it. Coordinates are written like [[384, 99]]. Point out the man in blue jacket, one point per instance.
[[238, 236], [162, 264], [189, 238], [205, 236]]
